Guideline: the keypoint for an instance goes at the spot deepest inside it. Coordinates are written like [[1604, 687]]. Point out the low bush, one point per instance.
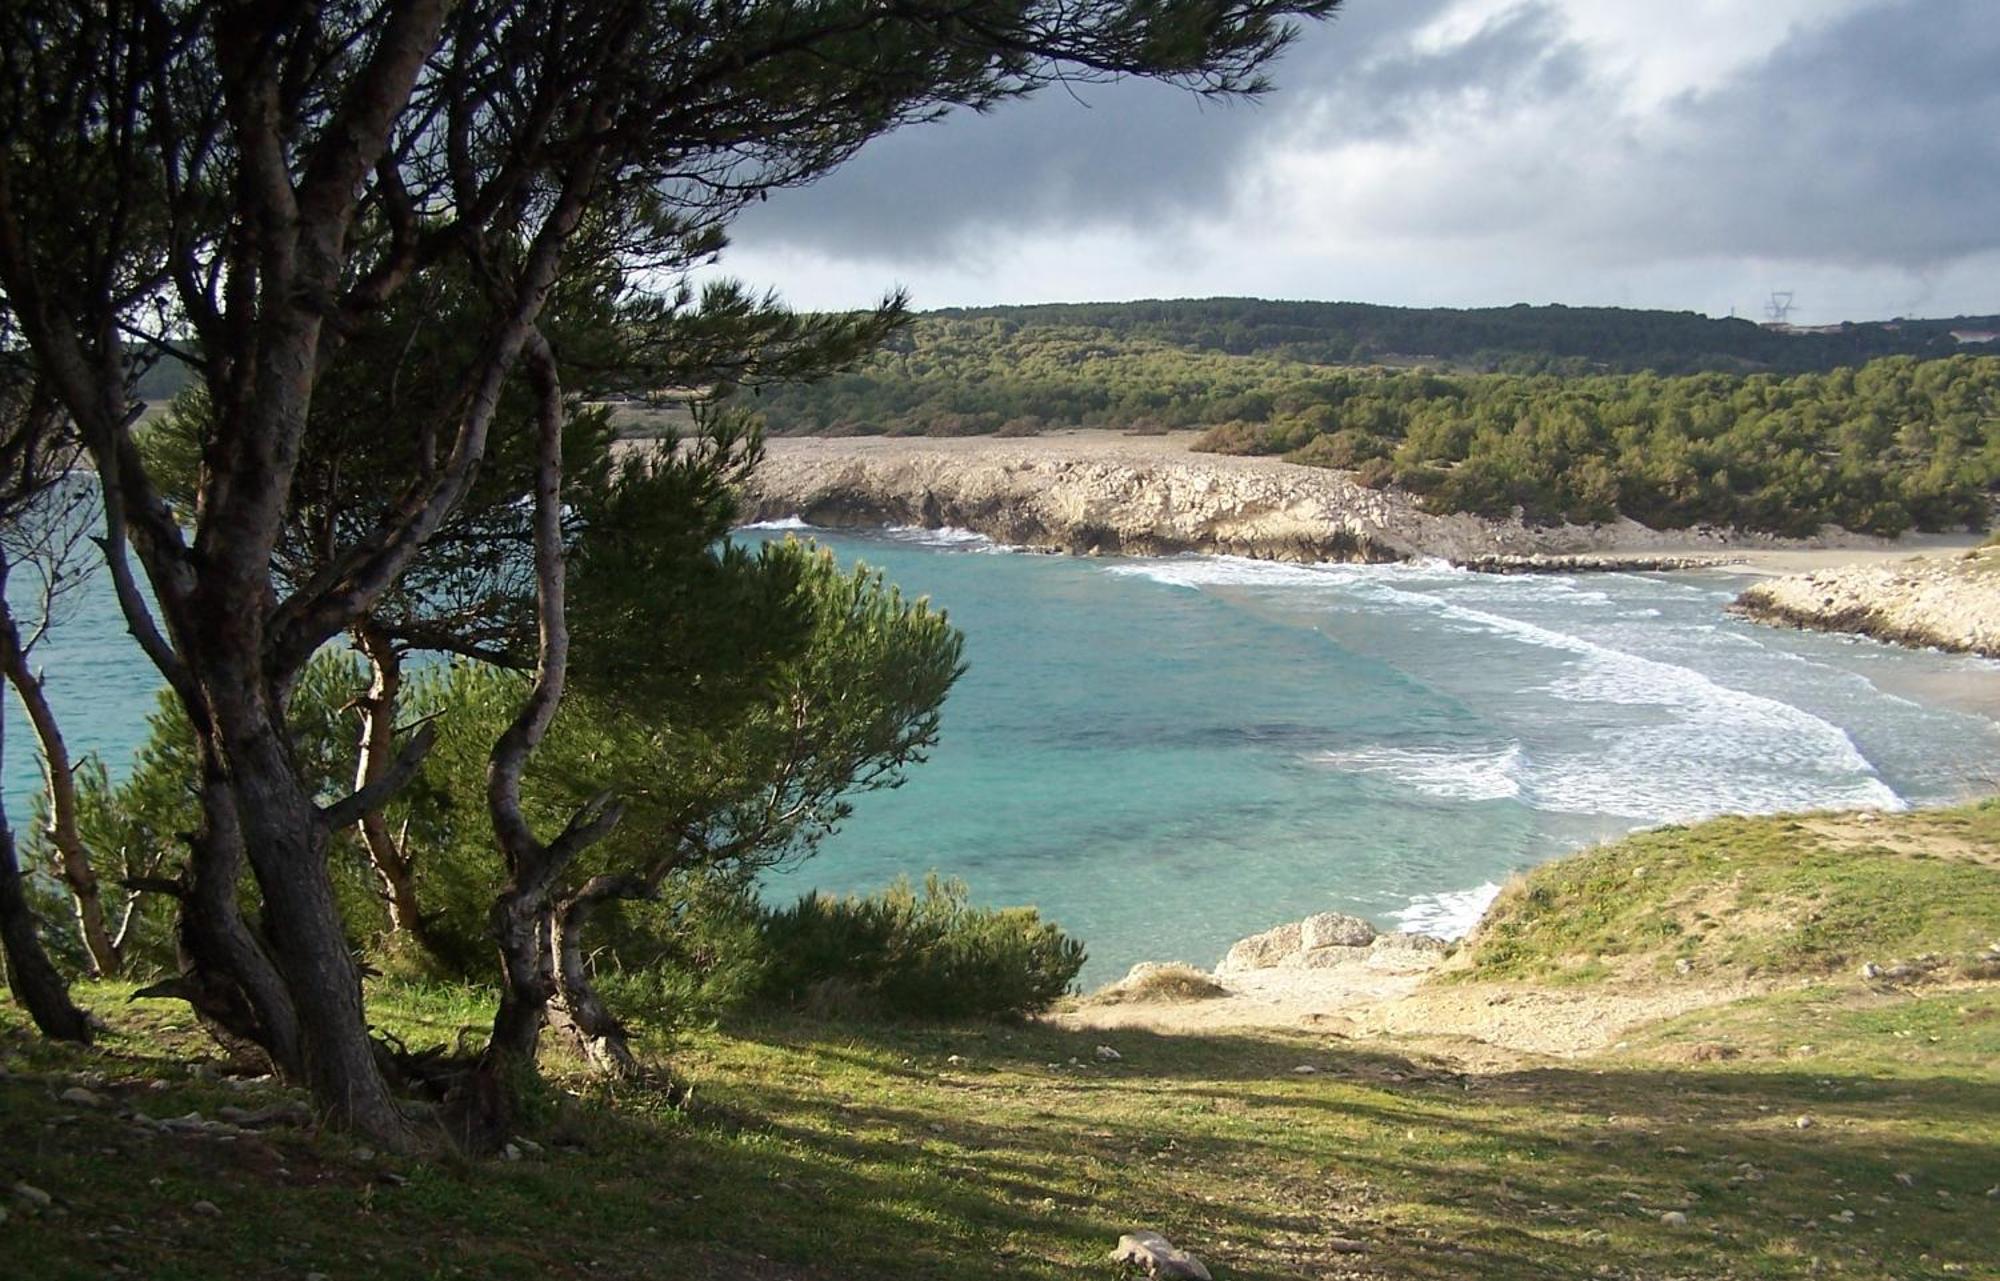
[[1161, 985], [909, 952]]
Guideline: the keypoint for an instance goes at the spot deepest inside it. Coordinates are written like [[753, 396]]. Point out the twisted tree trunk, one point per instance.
[[576, 1008], [73, 862], [523, 917], [35, 982], [386, 855]]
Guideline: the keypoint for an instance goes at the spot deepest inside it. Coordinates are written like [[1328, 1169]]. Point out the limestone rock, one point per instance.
[[1100, 494], [1159, 1257], [1400, 953], [1335, 929], [1327, 958], [1105, 1054], [1262, 951], [1951, 602], [77, 1096]]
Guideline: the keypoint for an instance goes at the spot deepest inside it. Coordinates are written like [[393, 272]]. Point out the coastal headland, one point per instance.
[[1103, 492]]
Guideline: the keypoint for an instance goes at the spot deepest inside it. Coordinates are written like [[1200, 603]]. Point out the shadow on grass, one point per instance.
[[818, 1151]]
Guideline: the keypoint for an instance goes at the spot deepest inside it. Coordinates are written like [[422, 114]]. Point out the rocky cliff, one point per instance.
[[1950, 602], [1100, 492]]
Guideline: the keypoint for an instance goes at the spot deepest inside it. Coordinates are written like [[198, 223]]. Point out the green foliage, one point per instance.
[[728, 757], [1754, 897], [1895, 444], [139, 825], [908, 953]]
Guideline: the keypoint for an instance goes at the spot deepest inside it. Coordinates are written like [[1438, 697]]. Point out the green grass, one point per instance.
[[815, 1149], [1754, 898]]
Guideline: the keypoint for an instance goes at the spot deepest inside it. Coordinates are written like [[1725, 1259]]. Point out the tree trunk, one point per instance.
[[521, 930], [35, 982], [575, 1007], [523, 916], [386, 855], [287, 843], [73, 863], [227, 974]]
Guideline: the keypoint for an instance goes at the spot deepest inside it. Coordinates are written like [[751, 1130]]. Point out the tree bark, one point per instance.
[[73, 862], [523, 917], [287, 843], [34, 980], [575, 1007], [386, 855]]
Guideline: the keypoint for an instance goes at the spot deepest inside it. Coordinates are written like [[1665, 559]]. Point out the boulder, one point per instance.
[[1327, 958], [1159, 1257], [1406, 953], [1262, 951], [1335, 929]]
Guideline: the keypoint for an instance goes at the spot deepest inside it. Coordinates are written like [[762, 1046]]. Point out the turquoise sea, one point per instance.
[[1167, 754]]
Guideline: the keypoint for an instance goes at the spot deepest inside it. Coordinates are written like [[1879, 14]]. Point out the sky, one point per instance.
[[1694, 155]]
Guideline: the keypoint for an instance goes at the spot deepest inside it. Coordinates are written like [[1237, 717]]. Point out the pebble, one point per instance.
[[1805, 1123], [1105, 1054], [77, 1096], [1674, 1219], [1305, 1069], [1905, 1178], [33, 1195], [207, 1209]]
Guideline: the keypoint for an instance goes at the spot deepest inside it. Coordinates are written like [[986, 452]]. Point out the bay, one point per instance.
[[1167, 754]]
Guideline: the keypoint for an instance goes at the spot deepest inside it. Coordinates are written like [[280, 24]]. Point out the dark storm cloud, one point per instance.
[[1130, 152], [1860, 139], [1871, 140]]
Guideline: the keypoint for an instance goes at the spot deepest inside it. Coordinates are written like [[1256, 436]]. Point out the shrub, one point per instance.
[[909, 953], [1161, 985]]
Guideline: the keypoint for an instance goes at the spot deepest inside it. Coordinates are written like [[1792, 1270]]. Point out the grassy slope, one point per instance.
[[819, 1151], [1754, 898]]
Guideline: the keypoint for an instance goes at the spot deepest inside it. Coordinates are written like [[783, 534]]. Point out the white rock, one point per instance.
[[77, 1096], [1674, 1219], [1805, 1123], [1335, 929], [1105, 1054], [1262, 951], [33, 1195], [1159, 1257], [1327, 958], [1305, 1069], [207, 1209]]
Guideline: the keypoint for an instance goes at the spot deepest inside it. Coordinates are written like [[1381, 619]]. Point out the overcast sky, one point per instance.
[[1697, 154]]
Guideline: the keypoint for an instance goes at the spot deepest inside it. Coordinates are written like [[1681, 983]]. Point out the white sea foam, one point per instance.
[[944, 536], [1197, 572], [785, 522], [1449, 915], [1678, 766], [1445, 774]]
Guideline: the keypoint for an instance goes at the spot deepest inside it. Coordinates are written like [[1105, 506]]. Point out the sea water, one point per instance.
[[1167, 754]]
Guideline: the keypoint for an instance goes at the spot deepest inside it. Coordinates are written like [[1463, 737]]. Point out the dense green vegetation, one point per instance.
[[1896, 444], [1833, 1126]]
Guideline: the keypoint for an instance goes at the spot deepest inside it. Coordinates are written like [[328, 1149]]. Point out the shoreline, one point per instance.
[[1093, 491]]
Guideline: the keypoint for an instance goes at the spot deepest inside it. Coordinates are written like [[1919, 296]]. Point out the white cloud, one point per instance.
[[1465, 152]]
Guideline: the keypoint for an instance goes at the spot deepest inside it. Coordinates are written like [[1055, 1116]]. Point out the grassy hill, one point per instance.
[[1833, 1126], [1520, 338]]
